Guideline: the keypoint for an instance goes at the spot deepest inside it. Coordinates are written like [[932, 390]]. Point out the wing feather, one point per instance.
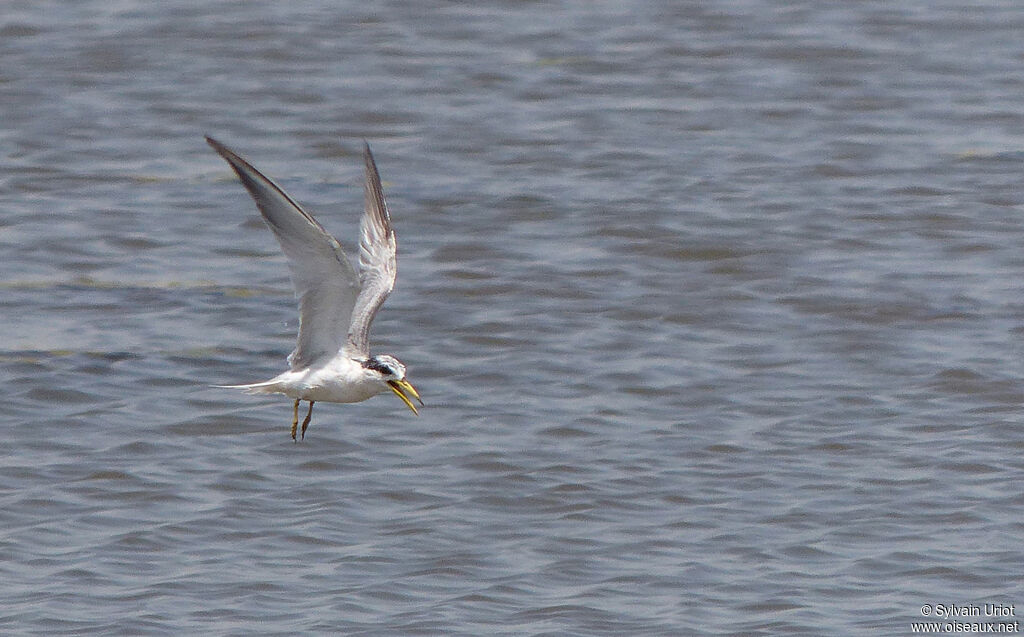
[[325, 283], [377, 263]]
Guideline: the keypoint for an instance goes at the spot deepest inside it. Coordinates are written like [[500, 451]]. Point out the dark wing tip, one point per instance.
[[376, 204], [213, 142], [231, 156], [371, 164], [243, 168]]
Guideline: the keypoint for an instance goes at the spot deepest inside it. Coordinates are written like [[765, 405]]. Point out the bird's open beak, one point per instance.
[[403, 389]]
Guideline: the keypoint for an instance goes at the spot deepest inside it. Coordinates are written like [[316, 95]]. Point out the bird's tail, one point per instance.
[[266, 387]]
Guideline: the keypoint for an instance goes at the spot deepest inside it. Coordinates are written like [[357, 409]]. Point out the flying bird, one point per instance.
[[331, 361]]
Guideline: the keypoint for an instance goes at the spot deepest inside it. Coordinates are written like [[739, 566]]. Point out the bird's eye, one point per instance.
[[379, 366]]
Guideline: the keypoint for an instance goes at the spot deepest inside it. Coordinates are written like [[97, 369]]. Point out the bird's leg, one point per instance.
[[305, 423], [295, 418]]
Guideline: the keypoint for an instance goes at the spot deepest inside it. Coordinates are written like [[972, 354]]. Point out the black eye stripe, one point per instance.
[[377, 366]]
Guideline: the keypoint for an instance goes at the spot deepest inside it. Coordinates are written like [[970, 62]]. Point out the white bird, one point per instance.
[[331, 361]]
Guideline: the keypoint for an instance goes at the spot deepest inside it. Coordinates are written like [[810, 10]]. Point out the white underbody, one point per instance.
[[337, 380]]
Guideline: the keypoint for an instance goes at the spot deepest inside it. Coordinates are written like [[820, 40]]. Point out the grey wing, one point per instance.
[[377, 263], [325, 283]]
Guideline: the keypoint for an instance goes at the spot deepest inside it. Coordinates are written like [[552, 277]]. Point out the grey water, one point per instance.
[[717, 310]]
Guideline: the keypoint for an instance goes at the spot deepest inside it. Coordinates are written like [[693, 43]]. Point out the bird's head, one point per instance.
[[392, 372]]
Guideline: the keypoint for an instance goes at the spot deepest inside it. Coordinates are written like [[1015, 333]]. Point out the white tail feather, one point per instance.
[[266, 387]]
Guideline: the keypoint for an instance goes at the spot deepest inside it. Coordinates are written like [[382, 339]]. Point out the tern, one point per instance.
[[331, 361]]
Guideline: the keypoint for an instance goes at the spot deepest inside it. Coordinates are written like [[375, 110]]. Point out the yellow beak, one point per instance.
[[403, 389]]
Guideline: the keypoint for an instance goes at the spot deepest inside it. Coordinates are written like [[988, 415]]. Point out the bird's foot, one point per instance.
[[305, 423], [295, 420]]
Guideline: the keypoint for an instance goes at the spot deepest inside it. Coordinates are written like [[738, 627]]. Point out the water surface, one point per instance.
[[716, 311]]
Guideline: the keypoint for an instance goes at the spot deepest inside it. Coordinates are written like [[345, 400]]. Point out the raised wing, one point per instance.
[[377, 263], [325, 283]]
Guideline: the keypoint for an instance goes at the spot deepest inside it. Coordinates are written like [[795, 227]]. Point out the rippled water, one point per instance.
[[717, 308]]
